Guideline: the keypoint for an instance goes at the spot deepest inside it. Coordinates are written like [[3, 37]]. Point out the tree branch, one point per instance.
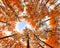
[[5, 22], [42, 41], [7, 36]]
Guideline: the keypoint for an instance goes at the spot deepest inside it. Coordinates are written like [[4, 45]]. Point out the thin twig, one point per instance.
[[40, 45], [46, 2], [45, 21]]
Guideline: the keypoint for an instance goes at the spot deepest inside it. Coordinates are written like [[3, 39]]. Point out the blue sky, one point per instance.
[[20, 25]]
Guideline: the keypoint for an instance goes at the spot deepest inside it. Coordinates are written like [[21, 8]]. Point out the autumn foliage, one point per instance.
[[40, 36]]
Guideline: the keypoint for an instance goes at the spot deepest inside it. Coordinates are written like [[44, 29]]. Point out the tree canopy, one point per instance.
[[37, 13]]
